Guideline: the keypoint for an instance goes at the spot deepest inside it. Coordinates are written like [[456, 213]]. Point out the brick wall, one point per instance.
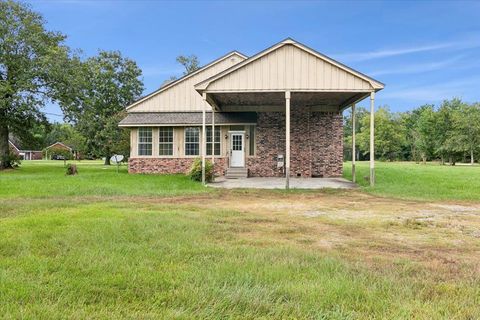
[[316, 144], [169, 165], [316, 148]]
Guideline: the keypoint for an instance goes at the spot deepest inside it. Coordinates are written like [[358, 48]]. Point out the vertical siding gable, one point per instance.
[[183, 96], [289, 67]]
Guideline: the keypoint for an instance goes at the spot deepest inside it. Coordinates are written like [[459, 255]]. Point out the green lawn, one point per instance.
[[48, 179], [417, 181], [103, 245]]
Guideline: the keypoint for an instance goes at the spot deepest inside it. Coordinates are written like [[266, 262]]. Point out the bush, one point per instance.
[[71, 169], [195, 172], [11, 160]]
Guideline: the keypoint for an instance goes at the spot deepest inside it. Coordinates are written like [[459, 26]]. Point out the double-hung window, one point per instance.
[[210, 143], [192, 141], [144, 141], [165, 141]]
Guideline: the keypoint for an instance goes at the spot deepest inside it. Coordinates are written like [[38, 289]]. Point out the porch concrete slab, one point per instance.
[[279, 183]]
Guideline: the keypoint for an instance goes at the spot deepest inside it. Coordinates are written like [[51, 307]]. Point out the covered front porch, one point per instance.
[[302, 94]]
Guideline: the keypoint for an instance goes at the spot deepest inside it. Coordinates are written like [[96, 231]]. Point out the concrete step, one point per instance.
[[236, 173]]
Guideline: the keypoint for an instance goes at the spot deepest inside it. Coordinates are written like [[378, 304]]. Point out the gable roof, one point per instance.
[[185, 77], [60, 143], [376, 85]]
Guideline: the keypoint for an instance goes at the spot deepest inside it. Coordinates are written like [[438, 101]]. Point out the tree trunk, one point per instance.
[[107, 161], [4, 147], [471, 157]]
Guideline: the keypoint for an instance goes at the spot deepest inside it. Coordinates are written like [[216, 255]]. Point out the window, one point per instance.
[[165, 141], [145, 141], [210, 142], [192, 141], [252, 140]]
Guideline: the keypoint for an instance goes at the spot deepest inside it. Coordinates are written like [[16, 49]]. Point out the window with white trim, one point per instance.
[[192, 141], [165, 141], [144, 141], [210, 143]]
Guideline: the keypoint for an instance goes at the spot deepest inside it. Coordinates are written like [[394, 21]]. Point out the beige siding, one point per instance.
[[133, 143], [289, 68], [182, 96]]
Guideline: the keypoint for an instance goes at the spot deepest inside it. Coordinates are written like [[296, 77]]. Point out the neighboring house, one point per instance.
[[25, 154], [277, 113], [58, 145]]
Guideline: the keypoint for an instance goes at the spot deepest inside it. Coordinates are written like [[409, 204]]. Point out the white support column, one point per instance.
[[287, 140], [203, 140], [372, 139], [213, 136], [353, 144]]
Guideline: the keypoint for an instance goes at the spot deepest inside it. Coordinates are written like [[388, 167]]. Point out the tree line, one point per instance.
[[38, 68], [449, 133]]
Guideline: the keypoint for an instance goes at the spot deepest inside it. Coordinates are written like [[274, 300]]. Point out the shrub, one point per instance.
[[71, 169], [11, 160], [195, 172]]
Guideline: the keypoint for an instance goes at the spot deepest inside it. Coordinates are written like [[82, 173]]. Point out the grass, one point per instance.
[[417, 181], [106, 245], [48, 179]]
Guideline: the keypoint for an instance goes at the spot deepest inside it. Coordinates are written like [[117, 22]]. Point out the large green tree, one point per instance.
[[109, 83], [464, 136], [389, 134], [421, 132], [34, 65]]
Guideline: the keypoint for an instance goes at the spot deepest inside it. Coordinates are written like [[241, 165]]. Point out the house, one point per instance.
[[275, 114], [57, 146], [24, 153]]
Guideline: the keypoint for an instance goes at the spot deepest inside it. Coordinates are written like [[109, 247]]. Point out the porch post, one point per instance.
[[204, 144], [372, 138], [213, 136], [287, 140], [353, 144]]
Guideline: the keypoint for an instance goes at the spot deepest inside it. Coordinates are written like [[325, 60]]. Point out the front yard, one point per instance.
[[108, 245]]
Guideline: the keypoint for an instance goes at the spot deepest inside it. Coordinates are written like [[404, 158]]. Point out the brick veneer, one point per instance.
[[316, 148], [316, 144], [169, 165]]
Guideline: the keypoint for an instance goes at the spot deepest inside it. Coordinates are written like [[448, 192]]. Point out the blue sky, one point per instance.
[[423, 51]]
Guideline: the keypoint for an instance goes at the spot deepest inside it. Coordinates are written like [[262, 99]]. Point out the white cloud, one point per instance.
[[434, 92], [384, 53], [419, 67]]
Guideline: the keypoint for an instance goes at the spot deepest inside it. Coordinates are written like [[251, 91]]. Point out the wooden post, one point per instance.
[[204, 144], [372, 138], [287, 140], [353, 144]]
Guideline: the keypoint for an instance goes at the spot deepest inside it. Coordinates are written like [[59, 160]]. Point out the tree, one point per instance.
[[190, 63], [421, 131], [33, 64], [465, 133], [360, 113], [109, 83], [69, 135], [389, 134], [446, 137]]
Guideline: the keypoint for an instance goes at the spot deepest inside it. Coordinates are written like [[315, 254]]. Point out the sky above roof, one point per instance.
[[423, 51]]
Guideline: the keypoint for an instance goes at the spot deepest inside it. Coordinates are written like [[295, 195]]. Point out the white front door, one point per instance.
[[237, 149]]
